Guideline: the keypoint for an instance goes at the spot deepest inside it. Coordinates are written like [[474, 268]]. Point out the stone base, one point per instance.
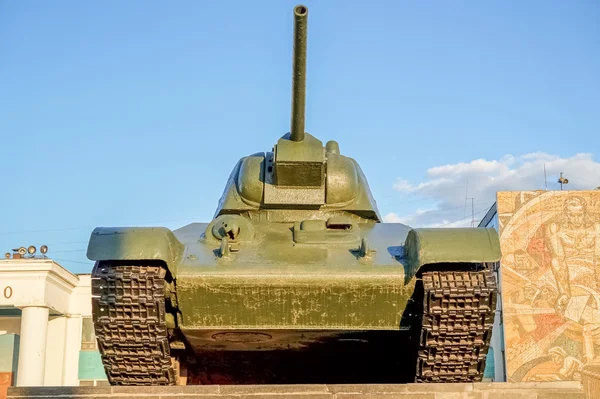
[[496, 390]]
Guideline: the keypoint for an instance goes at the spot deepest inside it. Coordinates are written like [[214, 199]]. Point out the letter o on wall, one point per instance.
[[8, 291]]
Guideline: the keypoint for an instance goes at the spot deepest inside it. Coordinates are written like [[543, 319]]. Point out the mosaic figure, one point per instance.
[[550, 282]]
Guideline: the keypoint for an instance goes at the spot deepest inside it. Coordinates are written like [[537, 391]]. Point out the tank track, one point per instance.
[[458, 316], [128, 302]]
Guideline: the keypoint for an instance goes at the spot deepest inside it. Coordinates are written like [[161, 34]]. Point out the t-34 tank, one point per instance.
[[296, 279]]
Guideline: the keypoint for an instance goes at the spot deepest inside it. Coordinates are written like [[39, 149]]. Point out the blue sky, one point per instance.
[[134, 113]]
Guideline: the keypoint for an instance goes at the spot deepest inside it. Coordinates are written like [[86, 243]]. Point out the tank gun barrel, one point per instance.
[[299, 73]]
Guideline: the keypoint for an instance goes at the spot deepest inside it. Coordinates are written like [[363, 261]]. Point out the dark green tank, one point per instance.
[[295, 280]]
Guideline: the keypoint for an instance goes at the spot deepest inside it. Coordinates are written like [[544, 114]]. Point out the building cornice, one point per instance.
[[36, 282]]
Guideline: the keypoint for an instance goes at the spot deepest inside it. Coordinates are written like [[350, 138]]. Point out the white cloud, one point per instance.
[[481, 179], [394, 218]]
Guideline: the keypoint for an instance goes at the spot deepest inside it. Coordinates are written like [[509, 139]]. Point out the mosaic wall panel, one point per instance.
[[550, 282]]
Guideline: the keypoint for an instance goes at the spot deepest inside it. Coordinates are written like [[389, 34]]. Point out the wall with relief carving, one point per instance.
[[550, 283]]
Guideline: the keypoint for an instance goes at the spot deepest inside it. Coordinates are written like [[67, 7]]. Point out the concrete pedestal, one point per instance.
[[32, 352], [498, 390]]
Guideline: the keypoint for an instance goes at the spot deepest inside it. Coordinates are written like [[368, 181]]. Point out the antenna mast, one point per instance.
[[562, 181], [466, 192]]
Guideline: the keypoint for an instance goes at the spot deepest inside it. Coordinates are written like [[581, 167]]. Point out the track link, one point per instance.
[[128, 302], [458, 316]]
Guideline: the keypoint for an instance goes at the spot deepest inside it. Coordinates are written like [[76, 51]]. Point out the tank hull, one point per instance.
[[365, 300], [299, 356], [308, 328]]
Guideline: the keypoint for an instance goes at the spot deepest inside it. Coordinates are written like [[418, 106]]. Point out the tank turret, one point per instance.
[[300, 173]]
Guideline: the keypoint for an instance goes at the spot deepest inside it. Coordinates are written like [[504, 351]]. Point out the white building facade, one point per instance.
[[46, 329]]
